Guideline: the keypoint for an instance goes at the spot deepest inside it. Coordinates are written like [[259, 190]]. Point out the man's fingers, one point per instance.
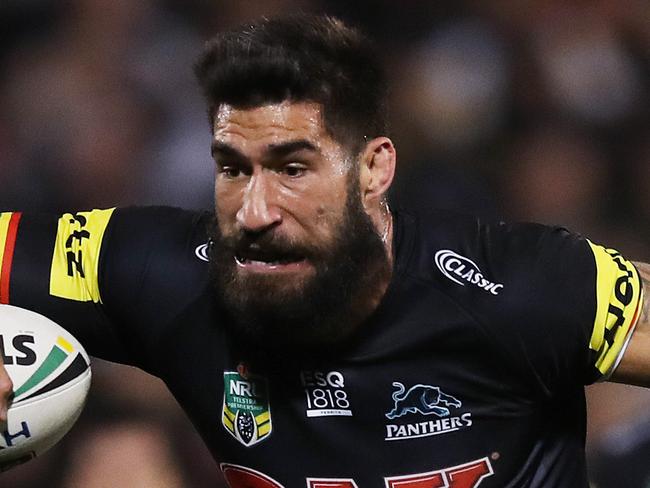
[[6, 390]]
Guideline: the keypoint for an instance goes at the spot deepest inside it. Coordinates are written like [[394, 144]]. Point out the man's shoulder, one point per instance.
[[162, 216], [528, 287], [460, 244], [161, 226], [154, 262], [161, 242], [502, 272], [442, 225]]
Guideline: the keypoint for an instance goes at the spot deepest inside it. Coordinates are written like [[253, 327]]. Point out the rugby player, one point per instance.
[[315, 336]]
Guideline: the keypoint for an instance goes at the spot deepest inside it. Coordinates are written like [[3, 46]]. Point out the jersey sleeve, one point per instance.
[[86, 271], [619, 299], [570, 305]]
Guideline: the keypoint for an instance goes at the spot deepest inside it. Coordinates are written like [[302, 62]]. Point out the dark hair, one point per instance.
[[299, 58]]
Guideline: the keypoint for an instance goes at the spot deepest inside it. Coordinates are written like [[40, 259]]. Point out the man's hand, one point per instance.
[[6, 390], [634, 368]]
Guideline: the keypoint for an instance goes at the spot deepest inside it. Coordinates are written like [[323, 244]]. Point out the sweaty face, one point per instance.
[[295, 254]]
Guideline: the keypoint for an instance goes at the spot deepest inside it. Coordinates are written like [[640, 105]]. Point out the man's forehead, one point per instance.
[[269, 122]]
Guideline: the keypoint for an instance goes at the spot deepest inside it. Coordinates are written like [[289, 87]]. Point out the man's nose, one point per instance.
[[258, 211]]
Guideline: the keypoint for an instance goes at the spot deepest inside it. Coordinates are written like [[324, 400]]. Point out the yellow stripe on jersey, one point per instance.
[[618, 297], [75, 262], [5, 217]]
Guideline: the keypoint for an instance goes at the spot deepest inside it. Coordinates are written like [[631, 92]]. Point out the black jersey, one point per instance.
[[469, 373]]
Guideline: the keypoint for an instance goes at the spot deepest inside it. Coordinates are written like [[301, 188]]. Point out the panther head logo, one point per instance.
[[422, 399]]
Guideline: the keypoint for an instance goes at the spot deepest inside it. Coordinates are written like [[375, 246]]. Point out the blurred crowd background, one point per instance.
[[513, 109]]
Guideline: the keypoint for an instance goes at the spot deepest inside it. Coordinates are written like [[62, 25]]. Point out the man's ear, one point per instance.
[[377, 169]]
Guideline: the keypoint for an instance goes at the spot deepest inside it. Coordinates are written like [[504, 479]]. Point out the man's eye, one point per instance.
[[230, 171], [294, 170]]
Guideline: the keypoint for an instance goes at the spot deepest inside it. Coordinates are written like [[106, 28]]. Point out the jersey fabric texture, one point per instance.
[[471, 371]]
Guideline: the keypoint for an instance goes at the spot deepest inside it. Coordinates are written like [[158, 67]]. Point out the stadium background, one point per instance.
[[515, 109]]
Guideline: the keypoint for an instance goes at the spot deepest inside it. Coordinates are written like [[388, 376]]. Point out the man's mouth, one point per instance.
[[261, 261]]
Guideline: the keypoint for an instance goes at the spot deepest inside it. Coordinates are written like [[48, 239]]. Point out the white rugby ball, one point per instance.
[[51, 376]]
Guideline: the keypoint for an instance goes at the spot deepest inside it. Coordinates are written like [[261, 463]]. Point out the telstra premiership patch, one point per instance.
[[246, 409]]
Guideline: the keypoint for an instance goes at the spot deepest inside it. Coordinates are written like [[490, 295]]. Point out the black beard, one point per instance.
[[317, 313]]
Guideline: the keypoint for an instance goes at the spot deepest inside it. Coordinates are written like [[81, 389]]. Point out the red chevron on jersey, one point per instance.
[[8, 231]]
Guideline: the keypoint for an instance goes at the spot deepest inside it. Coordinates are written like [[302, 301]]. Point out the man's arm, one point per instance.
[[634, 368], [104, 276]]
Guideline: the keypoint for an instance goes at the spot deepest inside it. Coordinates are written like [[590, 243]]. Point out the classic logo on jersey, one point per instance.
[[619, 298], [424, 400], [325, 393], [246, 410], [75, 261], [462, 270]]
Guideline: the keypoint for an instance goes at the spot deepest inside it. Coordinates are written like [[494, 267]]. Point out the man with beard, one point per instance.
[[314, 336], [345, 276]]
